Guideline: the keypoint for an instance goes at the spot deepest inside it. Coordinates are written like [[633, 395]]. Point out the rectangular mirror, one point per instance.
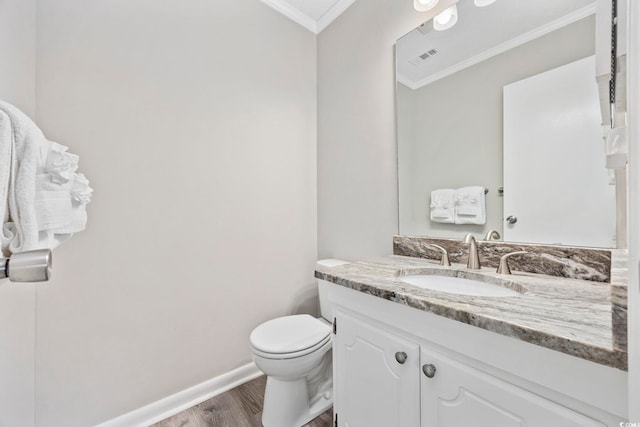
[[507, 100]]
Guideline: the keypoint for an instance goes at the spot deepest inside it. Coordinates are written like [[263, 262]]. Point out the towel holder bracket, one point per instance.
[[29, 266]]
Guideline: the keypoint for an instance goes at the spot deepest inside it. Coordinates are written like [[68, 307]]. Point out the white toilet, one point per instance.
[[294, 352]]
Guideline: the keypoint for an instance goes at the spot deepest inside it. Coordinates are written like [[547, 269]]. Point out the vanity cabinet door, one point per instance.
[[376, 381], [460, 395]]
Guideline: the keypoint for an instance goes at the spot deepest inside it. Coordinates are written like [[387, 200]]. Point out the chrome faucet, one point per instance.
[[503, 268], [444, 258], [492, 235], [473, 261]]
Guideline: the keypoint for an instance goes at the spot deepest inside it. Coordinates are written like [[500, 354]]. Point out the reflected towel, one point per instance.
[[470, 206], [443, 206]]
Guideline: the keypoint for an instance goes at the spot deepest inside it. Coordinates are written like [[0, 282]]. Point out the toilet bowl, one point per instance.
[[294, 352]]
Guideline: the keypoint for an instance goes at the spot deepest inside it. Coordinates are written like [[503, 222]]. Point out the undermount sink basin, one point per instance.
[[458, 285]]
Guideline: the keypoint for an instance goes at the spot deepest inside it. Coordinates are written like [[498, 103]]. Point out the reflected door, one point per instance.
[[556, 187]]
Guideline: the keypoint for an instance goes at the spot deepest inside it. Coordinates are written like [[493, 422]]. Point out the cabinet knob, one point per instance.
[[429, 370], [401, 357], [512, 219]]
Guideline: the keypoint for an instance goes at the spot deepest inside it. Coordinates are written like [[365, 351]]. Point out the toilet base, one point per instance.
[[294, 396]]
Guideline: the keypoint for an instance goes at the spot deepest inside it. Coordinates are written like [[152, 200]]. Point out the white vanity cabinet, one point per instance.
[[375, 376], [382, 376], [460, 395]]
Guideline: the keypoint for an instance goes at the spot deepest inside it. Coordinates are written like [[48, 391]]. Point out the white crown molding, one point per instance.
[[294, 14], [305, 20], [336, 10], [185, 399], [510, 44]]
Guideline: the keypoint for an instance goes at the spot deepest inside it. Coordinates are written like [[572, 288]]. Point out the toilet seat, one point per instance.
[[292, 355], [290, 337]]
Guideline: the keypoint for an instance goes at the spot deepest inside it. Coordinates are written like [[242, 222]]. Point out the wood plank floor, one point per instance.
[[240, 407]]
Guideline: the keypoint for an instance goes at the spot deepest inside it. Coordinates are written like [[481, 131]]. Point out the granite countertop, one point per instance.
[[568, 315]]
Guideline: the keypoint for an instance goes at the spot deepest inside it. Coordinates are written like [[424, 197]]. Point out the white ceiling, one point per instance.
[[479, 34], [314, 15]]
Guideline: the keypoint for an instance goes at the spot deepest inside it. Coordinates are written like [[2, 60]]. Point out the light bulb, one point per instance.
[[446, 19], [424, 5], [483, 3]]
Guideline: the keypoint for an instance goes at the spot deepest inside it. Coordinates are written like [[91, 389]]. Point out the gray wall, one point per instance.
[[18, 53], [456, 135], [195, 122], [17, 300], [357, 172]]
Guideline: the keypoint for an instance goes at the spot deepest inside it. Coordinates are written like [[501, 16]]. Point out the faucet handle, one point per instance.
[[503, 268], [492, 235], [444, 259]]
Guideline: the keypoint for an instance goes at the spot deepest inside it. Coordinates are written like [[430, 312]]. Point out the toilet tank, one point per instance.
[[326, 311]]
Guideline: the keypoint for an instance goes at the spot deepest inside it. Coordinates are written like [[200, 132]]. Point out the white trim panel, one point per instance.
[[185, 399], [305, 20], [510, 44]]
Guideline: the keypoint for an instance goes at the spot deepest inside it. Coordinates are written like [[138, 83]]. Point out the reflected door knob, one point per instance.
[[429, 370], [401, 357], [512, 219]]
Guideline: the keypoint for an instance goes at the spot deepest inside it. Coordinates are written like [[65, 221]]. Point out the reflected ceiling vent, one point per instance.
[[420, 59]]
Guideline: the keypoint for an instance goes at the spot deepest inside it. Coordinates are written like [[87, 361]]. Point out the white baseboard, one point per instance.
[[171, 405]]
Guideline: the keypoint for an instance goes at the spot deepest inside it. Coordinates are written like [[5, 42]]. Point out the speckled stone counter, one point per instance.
[[574, 262], [619, 285], [568, 315]]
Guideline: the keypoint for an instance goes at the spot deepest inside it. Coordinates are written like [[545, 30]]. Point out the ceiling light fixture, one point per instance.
[[446, 19], [424, 5], [483, 3]]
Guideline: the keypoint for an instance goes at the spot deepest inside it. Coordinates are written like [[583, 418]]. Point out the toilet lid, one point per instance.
[[289, 334]]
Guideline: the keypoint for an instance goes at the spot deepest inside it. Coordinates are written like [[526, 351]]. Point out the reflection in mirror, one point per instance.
[[478, 105]]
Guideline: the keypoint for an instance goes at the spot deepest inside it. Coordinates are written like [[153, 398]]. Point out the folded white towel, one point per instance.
[[470, 206], [75, 219], [45, 198], [28, 146], [80, 197], [52, 203], [443, 206], [6, 144]]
